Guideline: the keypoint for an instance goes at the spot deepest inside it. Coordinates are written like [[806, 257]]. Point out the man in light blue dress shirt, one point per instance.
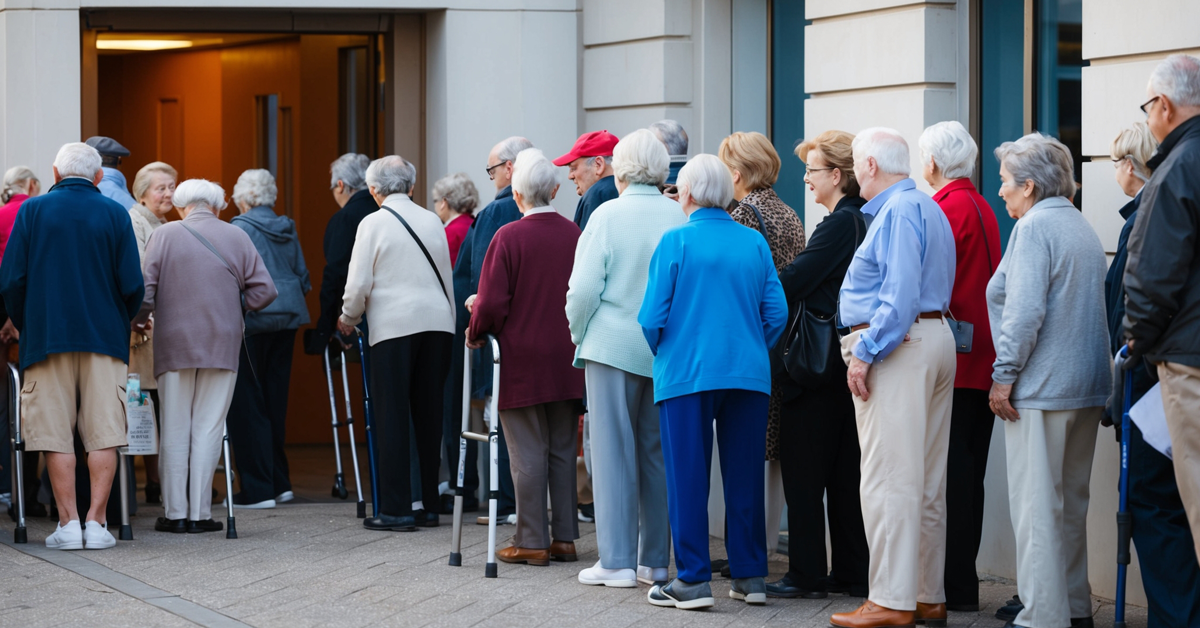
[[901, 370]]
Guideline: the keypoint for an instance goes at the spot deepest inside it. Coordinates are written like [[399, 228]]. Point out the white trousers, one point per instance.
[[1049, 471], [194, 405], [904, 433]]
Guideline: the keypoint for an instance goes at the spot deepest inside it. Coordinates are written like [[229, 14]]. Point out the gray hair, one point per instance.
[[641, 158], [707, 180], [141, 182], [534, 177], [255, 188], [508, 149], [16, 181], [886, 145], [1178, 78], [391, 175], [672, 135], [459, 192], [1043, 160], [199, 193], [952, 147], [351, 170], [77, 159]]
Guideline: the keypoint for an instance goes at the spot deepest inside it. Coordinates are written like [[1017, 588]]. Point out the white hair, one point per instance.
[[1178, 78], [77, 159], [707, 180], [507, 150], [1041, 159], [16, 181], [640, 158], [199, 193], [459, 192], [255, 188], [886, 145], [672, 135], [534, 177], [351, 170], [949, 144], [391, 175]]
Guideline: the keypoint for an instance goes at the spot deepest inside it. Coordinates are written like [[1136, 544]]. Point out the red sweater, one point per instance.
[[456, 232], [976, 236], [522, 300]]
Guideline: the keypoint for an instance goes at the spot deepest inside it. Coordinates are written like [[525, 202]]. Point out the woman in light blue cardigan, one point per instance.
[[606, 289], [712, 308]]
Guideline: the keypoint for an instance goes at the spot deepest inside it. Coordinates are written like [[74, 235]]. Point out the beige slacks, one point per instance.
[[904, 433], [1049, 471], [1181, 400], [194, 404]]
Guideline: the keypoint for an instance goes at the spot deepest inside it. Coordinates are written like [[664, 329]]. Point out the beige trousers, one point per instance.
[[194, 404], [1049, 471], [1181, 400], [904, 433]]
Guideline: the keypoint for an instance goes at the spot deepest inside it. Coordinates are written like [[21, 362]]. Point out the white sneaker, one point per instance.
[[97, 537], [263, 505], [620, 578], [68, 537], [284, 497], [651, 575]]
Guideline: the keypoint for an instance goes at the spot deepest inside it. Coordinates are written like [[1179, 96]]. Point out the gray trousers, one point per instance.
[[541, 452], [629, 479]]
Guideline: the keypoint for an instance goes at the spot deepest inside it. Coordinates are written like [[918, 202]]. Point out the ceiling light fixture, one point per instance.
[[142, 44]]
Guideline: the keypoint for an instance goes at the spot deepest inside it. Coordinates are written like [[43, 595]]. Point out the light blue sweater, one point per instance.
[[609, 278]]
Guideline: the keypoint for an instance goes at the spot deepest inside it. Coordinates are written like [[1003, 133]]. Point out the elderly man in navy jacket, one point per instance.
[[72, 282], [589, 164]]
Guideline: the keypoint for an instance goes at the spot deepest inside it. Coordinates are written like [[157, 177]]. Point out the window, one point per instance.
[[1057, 71], [354, 101], [267, 133]]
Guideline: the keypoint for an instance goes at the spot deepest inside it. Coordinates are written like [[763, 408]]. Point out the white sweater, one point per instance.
[[389, 278]]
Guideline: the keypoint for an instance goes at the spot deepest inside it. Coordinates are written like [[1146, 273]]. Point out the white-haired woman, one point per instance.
[[200, 273], [948, 155], [258, 415], [400, 280], [606, 290], [709, 317], [526, 271], [454, 198], [1051, 376]]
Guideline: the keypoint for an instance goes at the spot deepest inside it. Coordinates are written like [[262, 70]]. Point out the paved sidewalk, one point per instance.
[[314, 565]]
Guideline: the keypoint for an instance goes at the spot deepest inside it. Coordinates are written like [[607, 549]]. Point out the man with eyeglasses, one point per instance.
[[589, 165], [1162, 276], [501, 211]]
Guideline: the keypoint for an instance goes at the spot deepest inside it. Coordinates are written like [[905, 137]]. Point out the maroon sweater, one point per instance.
[[522, 300]]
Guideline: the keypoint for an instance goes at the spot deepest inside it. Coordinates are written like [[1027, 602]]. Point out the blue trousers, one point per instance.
[[687, 439]]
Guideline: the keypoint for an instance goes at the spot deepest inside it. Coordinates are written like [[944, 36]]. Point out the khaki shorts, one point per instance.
[[69, 391]]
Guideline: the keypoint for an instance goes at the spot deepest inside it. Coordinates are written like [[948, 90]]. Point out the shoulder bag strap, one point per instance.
[[762, 224], [209, 245], [428, 257], [983, 228]]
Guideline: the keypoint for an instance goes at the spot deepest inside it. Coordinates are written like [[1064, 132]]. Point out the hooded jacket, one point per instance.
[[275, 238]]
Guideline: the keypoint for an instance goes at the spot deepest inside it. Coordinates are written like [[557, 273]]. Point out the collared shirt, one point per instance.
[[113, 186], [538, 210], [905, 266]]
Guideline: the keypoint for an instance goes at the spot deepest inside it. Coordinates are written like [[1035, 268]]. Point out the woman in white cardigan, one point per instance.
[[407, 299], [612, 260]]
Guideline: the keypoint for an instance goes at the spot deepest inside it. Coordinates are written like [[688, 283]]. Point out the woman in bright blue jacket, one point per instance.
[[712, 308]]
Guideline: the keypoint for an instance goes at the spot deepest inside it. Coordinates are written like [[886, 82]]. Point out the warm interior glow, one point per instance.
[[141, 44]]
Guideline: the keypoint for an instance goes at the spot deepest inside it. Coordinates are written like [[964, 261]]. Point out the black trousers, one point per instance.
[[408, 378], [971, 423], [452, 426], [819, 458], [258, 414]]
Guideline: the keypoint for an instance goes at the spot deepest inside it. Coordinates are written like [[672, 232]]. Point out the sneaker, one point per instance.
[[5, 500], [500, 521], [97, 536], [749, 590], [242, 502], [281, 498], [68, 537], [681, 595], [617, 578], [652, 575], [587, 512]]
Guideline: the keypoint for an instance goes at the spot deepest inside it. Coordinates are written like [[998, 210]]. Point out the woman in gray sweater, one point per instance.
[[1051, 375]]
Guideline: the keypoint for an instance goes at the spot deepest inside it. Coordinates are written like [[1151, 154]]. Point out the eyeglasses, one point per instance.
[[491, 169], [1145, 106], [808, 170], [1120, 160]]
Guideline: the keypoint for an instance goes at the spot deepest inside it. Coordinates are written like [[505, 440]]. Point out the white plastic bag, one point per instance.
[[143, 433]]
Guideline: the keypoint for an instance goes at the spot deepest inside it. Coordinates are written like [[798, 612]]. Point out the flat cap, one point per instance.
[[107, 146]]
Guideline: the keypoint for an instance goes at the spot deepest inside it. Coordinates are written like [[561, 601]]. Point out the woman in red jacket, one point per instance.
[[948, 153], [454, 198]]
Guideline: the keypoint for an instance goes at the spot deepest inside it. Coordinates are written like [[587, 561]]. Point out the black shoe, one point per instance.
[[786, 587], [587, 512], [388, 522], [833, 585], [178, 526], [425, 519], [1082, 622], [208, 525], [153, 492], [469, 504], [1010, 610]]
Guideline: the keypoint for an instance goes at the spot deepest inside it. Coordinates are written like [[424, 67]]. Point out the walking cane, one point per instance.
[[20, 535], [368, 416], [492, 438], [1124, 519], [231, 529], [339, 478]]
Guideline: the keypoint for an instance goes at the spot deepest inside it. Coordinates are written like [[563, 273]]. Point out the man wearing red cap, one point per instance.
[[590, 163]]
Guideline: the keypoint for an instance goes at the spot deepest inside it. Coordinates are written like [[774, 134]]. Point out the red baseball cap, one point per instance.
[[594, 144]]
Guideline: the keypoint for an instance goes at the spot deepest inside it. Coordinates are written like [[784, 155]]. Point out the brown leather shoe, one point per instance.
[[514, 554], [932, 615], [871, 615], [563, 552]]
